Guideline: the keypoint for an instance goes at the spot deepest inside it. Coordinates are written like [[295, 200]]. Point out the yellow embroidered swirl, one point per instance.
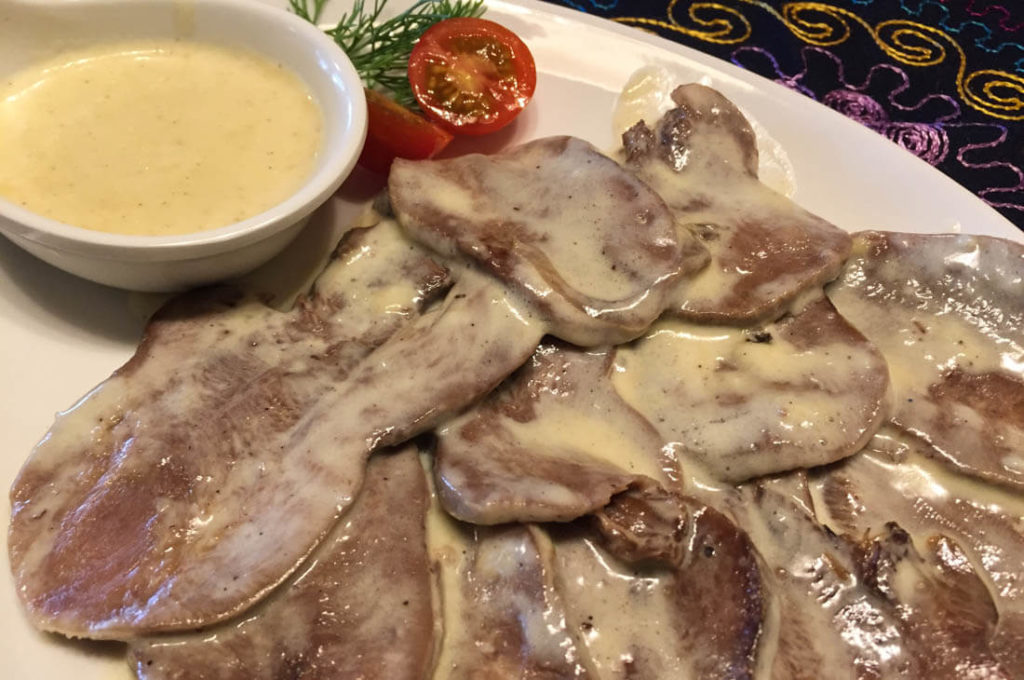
[[996, 93], [713, 22]]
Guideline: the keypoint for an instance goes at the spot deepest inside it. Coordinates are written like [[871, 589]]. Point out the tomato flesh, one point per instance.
[[471, 76], [392, 131]]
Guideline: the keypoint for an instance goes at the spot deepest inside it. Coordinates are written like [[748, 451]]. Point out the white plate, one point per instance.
[[59, 335]]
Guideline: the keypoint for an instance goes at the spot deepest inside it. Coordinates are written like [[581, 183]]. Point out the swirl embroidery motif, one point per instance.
[[996, 93], [1004, 22], [931, 141]]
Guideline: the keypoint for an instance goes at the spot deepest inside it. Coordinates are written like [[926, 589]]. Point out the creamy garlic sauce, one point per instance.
[[486, 563], [922, 345], [155, 137], [598, 590], [582, 437], [724, 398], [928, 498]]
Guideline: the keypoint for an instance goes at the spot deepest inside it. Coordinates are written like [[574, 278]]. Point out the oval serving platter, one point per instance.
[[60, 335]]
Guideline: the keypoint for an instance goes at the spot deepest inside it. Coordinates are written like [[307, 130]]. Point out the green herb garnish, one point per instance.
[[380, 49]]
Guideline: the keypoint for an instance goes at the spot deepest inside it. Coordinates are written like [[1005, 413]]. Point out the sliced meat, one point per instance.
[[701, 157], [947, 311], [692, 589], [829, 623], [158, 462], [947, 615], [553, 443], [803, 391], [894, 482], [433, 368], [504, 618], [361, 607], [211, 493], [870, 605], [594, 251], [624, 615]]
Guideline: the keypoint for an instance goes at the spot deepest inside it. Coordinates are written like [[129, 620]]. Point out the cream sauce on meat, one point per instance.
[[597, 589], [361, 606], [589, 247], [276, 506], [503, 615], [553, 443], [743, 403], [828, 624], [701, 157], [171, 465], [866, 604], [715, 579], [947, 313], [647, 96], [682, 538], [927, 500]]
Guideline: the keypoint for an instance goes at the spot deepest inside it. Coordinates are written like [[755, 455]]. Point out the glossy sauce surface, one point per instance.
[[155, 137]]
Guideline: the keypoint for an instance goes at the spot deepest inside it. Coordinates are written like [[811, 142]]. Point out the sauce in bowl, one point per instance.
[[156, 137]]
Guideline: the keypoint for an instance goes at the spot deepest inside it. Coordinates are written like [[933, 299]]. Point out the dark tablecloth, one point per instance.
[[944, 79]]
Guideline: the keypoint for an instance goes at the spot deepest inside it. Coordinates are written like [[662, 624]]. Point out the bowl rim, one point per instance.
[[339, 81]]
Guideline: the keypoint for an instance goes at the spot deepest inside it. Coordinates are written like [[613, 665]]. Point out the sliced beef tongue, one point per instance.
[[143, 478], [593, 250], [829, 624], [712, 588], [361, 607], [168, 504], [867, 605], [701, 157], [947, 311], [504, 617], [431, 369], [894, 481], [947, 616], [553, 443], [803, 391]]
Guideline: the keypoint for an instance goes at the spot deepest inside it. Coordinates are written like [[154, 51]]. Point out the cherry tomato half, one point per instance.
[[393, 131], [471, 76]]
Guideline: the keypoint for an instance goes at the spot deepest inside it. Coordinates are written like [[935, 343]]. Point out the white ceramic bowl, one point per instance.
[[33, 30]]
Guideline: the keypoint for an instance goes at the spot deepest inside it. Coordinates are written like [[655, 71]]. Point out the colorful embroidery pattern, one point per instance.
[[944, 79]]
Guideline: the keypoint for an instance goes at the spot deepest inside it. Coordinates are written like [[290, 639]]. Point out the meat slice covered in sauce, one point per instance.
[[585, 243], [361, 607], [947, 616], [200, 498], [503, 615], [803, 391], [553, 443], [121, 517], [688, 577], [434, 367], [829, 624], [947, 311], [895, 481], [871, 605], [701, 157]]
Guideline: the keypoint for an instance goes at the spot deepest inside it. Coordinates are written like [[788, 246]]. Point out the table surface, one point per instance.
[[944, 79]]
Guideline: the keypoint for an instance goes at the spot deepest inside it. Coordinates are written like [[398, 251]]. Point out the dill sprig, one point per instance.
[[380, 49]]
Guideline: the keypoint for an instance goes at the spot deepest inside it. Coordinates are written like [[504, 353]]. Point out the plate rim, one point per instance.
[[760, 84], [97, 348]]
